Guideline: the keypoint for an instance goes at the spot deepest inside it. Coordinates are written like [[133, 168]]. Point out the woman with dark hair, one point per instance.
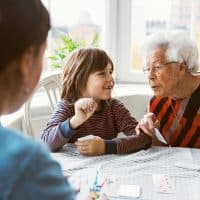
[[27, 171]]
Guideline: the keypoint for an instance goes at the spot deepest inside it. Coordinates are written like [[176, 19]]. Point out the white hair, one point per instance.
[[177, 45]]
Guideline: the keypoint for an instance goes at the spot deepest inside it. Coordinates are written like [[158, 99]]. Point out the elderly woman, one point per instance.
[[26, 168], [171, 65]]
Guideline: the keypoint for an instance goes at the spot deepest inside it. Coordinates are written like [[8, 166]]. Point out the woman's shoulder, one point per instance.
[[21, 159], [13, 138], [15, 143], [17, 150]]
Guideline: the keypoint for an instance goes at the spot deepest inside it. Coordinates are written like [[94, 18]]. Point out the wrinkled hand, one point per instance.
[[84, 109], [92, 147], [147, 124]]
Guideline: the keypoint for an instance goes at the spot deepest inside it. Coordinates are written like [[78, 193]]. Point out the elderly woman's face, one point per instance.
[[163, 75]]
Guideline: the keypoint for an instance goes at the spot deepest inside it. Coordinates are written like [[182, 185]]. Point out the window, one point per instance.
[[144, 17], [82, 21], [121, 25]]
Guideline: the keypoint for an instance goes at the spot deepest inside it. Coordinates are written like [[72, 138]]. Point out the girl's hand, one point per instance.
[[92, 147], [84, 109], [147, 124]]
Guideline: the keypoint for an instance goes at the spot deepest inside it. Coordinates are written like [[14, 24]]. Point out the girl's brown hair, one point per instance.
[[77, 69]]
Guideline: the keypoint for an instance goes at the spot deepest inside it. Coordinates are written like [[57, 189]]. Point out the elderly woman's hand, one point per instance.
[[93, 147], [147, 124]]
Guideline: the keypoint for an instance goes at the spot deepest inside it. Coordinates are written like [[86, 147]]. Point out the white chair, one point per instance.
[[43, 101]]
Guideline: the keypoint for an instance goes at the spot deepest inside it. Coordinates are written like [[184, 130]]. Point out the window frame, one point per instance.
[[121, 49], [117, 39], [118, 43]]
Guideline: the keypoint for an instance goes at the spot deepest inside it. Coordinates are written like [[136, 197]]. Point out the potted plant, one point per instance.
[[65, 45]]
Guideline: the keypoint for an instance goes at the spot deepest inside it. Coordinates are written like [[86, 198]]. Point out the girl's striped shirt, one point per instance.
[[113, 118]]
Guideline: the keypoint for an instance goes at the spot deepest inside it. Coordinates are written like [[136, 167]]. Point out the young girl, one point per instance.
[[86, 107]]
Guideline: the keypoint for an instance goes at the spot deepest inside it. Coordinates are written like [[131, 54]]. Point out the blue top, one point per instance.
[[28, 172]]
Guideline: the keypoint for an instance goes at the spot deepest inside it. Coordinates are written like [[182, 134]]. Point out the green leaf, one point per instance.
[[66, 45]]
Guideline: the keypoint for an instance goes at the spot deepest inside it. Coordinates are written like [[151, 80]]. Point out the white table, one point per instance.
[[137, 168]]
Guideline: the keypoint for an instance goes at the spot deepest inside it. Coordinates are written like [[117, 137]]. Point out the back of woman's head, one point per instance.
[[177, 45], [24, 24], [77, 69]]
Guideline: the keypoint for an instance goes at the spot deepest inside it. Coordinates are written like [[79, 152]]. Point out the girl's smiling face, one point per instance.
[[100, 84]]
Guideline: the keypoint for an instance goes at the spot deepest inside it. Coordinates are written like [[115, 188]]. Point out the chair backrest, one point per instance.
[[46, 93]]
